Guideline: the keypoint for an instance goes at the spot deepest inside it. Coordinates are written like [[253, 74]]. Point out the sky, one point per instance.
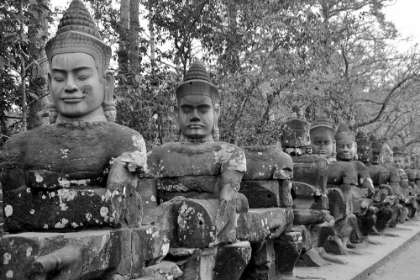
[[405, 14]]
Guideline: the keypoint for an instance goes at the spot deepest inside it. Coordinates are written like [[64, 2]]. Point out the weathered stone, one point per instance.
[[262, 265], [231, 261], [288, 247], [339, 201], [308, 216], [149, 246], [312, 170], [148, 193], [267, 163], [262, 193], [166, 269], [264, 223], [42, 210], [82, 160], [199, 265], [96, 248], [196, 223], [165, 216]]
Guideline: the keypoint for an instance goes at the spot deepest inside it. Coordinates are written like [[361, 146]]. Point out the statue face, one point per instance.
[[196, 115], [75, 87], [364, 152], [345, 149], [407, 162], [399, 161], [376, 156], [322, 142]]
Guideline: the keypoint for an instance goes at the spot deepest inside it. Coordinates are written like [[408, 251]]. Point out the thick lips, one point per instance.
[[72, 99], [195, 126]]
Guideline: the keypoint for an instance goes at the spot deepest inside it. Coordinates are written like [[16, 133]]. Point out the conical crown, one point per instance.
[[398, 151], [77, 32], [343, 132], [375, 143], [361, 135], [322, 121], [197, 82]]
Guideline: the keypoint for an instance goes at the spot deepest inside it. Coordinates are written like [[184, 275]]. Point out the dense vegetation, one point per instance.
[[331, 57]]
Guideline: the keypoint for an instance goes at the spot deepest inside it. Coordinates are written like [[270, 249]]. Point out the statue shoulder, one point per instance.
[[267, 162], [14, 149], [230, 156], [123, 138]]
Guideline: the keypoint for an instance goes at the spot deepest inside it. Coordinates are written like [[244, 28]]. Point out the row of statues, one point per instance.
[[84, 200]]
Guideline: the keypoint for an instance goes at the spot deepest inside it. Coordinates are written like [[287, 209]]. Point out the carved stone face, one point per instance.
[[387, 154], [407, 161], [345, 149], [196, 115], [322, 142], [399, 161], [75, 86], [376, 156], [364, 151]]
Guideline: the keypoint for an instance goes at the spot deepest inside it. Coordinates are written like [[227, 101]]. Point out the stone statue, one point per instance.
[[206, 172], [408, 198], [310, 200], [70, 187], [342, 176], [346, 147], [399, 212], [381, 180]]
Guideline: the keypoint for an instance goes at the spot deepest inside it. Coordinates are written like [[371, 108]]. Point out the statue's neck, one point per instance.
[[207, 138]]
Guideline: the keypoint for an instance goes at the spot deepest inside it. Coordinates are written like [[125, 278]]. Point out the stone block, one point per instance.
[[148, 191], [311, 170], [308, 216], [288, 248], [100, 252], [267, 163], [30, 209], [263, 223], [231, 261], [196, 264], [196, 223], [165, 269], [149, 246], [262, 265], [261, 193]]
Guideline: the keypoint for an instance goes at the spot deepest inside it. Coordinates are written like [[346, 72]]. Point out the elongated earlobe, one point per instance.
[[109, 105]]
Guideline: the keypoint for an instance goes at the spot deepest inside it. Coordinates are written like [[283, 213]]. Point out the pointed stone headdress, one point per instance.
[[295, 131], [375, 143], [343, 132], [197, 82], [398, 151], [76, 33], [323, 122]]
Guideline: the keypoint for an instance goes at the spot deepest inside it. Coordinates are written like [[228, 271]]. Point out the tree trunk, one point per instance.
[[38, 109], [134, 54], [124, 28]]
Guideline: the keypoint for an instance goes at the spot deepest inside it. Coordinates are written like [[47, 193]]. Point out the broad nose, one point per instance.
[[71, 85], [195, 117]]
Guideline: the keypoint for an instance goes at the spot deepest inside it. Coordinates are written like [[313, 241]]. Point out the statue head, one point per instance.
[[198, 109], [364, 147], [387, 153], [81, 85], [295, 138], [297, 112], [399, 160], [345, 143], [322, 137], [376, 155]]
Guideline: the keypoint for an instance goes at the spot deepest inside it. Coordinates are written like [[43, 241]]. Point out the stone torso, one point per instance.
[[379, 174], [76, 154], [183, 167]]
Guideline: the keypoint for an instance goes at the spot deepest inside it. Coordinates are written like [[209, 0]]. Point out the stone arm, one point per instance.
[[231, 204]]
